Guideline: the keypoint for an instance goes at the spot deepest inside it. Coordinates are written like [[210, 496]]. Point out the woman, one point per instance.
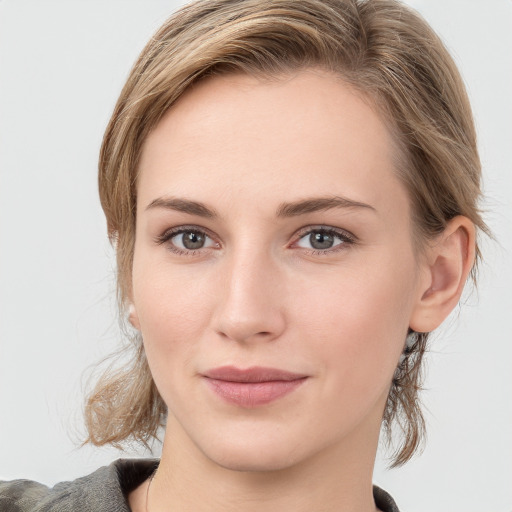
[[292, 191]]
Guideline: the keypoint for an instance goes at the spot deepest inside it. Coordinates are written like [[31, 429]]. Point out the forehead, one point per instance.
[[303, 134]]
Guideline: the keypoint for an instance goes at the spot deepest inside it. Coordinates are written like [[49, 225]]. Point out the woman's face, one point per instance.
[[274, 275]]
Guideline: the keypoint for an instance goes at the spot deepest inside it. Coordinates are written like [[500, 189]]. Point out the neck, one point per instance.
[[338, 478]]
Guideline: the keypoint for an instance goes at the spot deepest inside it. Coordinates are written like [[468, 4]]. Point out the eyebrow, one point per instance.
[[183, 205], [319, 204], [294, 209]]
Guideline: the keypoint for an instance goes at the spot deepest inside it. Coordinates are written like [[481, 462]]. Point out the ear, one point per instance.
[[447, 265], [133, 317]]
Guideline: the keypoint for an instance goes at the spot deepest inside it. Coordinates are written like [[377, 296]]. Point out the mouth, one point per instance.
[[252, 387]]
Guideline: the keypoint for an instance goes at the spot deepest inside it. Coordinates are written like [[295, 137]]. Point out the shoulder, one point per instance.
[[21, 495], [383, 500], [103, 490]]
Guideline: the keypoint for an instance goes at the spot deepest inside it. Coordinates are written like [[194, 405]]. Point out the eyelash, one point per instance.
[[345, 237], [166, 237]]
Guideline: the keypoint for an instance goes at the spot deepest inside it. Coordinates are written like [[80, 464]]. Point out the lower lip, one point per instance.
[[252, 394]]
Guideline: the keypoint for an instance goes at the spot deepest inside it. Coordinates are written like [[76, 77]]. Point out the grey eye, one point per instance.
[[191, 240], [321, 240]]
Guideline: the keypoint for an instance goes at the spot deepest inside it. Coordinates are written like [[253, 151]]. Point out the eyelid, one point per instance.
[[346, 236], [343, 233], [166, 236]]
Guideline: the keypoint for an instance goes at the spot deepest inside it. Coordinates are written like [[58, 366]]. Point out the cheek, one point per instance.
[[174, 308], [357, 321]]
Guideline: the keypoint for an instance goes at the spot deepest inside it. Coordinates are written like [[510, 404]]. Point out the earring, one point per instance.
[[410, 341], [132, 317]]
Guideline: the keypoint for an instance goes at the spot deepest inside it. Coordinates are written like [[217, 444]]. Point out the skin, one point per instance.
[[258, 294]]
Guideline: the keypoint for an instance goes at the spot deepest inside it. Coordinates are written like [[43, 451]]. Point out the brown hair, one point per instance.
[[381, 48]]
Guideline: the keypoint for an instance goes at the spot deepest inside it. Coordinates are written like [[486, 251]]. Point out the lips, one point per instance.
[[253, 386]]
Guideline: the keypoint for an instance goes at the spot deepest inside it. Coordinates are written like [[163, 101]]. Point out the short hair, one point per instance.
[[381, 48]]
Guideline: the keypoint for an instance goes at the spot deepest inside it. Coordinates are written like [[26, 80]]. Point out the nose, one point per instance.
[[250, 306]]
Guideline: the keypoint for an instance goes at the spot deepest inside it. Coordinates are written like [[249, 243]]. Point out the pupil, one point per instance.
[[321, 240], [193, 240]]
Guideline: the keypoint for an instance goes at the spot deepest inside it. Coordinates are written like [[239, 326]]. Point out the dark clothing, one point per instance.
[[105, 490]]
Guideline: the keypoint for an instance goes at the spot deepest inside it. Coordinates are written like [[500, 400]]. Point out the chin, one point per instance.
[[254, 453], [246, 447], [257, 461]]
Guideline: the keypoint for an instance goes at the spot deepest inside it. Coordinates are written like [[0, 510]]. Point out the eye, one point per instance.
[[324, 239], [190, 240], [186, 240]]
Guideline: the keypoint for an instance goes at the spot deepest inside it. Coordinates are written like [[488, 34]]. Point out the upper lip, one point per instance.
[[252, 374]]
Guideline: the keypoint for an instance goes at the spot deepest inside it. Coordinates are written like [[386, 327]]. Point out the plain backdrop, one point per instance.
[[62, 65]]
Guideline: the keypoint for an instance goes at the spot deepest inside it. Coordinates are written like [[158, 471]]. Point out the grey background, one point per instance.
[[62, 65]]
